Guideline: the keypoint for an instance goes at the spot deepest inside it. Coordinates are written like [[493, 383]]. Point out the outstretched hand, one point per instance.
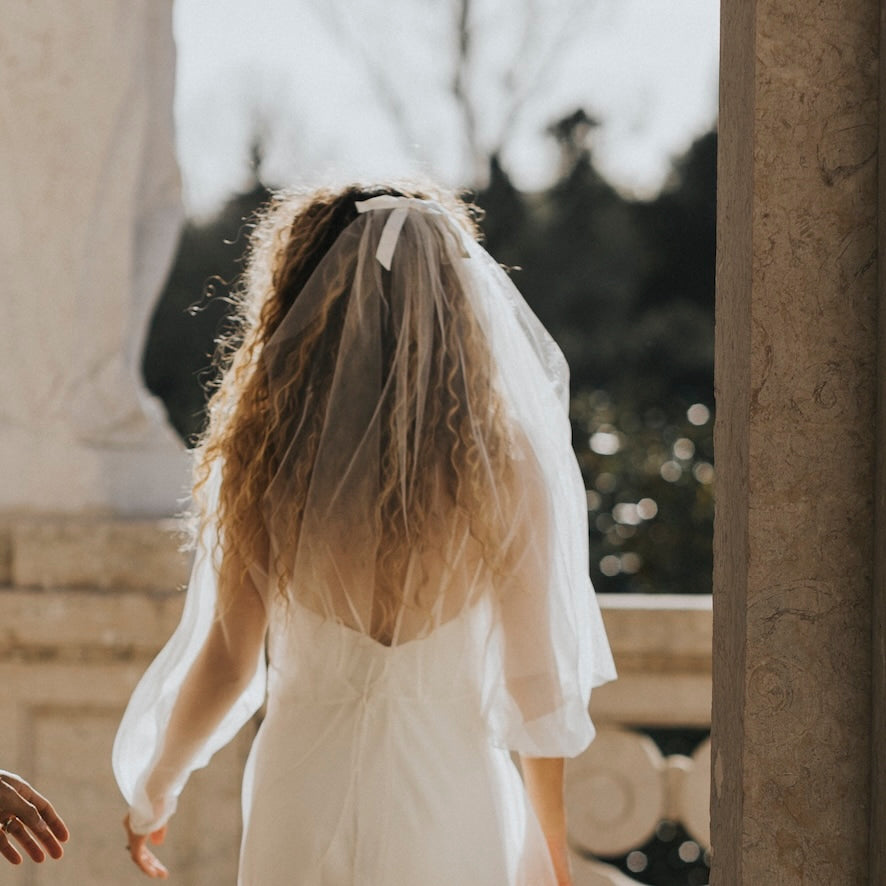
[[145, 860], [28, 817]]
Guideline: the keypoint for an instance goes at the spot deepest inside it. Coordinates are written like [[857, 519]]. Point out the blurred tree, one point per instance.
[[673, 310], [627, 288], [581, 272]]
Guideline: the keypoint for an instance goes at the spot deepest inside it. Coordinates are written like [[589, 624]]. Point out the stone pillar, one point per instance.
[[878, 621], [796, 382], [89, 216]]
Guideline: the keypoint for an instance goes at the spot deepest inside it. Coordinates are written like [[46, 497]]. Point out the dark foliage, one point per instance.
[[627, 290]]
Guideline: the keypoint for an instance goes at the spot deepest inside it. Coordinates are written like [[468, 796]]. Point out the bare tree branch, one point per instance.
[[526, 74], [460, 83], [534, 81]]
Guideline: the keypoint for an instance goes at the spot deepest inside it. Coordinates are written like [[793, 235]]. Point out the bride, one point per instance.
[[391, 553]]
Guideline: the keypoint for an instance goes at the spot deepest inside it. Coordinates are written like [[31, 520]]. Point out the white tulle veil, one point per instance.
[[411, 281]]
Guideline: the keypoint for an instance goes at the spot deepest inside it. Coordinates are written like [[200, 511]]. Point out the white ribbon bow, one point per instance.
[[401, 205]]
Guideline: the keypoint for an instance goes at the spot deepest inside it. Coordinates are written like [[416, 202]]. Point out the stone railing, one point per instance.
[[621, 788], [86, 603]]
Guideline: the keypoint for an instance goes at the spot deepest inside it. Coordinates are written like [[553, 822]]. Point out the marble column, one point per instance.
[[796, 536], [89, 217]]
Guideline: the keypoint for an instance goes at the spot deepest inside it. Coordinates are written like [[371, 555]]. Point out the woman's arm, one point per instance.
[[223, 668], [220, 673], [543, 777]]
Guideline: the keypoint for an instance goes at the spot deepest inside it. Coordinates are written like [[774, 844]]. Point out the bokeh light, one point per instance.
[[703, 472], [647, 508], [631, 563], [605, 442], [684, 448], [610, 565], [637, 862], [626, 512], [698, 414], [606, 482], [671, 471], [689, 851]]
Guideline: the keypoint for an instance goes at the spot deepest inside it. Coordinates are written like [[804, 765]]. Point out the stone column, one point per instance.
[[89, 216], [796, 381], [878, 621]]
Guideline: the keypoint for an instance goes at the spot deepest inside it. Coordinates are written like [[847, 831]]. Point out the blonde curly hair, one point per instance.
[[249, 428]]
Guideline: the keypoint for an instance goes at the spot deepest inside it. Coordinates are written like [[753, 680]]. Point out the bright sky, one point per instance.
[[347, 89]]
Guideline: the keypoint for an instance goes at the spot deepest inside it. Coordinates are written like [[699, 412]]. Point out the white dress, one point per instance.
[[374, 765]]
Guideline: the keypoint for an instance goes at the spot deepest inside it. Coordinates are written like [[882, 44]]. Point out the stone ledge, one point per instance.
[[93, 552], [85, 626], [667, 699], [664, 636], [659, 632]]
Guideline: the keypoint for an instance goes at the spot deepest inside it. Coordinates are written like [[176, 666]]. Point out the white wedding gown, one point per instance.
[[374, 766]]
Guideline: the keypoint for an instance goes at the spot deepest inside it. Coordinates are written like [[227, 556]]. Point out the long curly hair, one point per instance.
[[250, 428]]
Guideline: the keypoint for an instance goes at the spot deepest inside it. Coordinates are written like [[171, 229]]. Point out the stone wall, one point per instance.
[[87, 603]]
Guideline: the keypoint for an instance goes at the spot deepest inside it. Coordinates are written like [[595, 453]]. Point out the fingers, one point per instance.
[[47, 812], [27, 824], [146, 861], [8, 851], [17, 830], [19, 799], [149, 863]]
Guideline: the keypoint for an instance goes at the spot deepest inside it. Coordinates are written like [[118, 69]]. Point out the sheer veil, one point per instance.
[[432, 478]]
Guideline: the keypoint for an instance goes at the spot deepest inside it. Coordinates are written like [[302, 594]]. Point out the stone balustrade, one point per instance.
[[622, 787], [86, 603]]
